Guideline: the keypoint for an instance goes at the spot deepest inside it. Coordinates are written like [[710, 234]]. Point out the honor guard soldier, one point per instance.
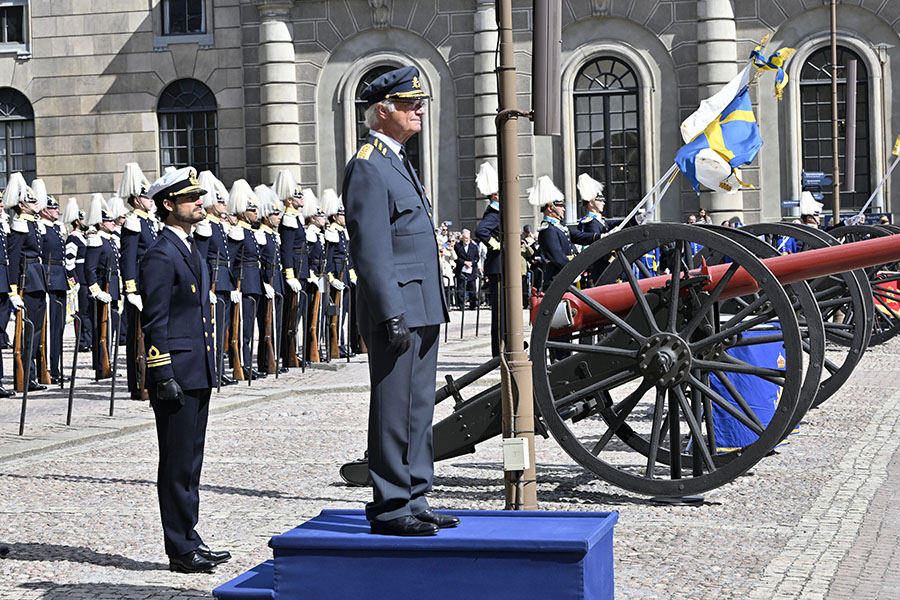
[[118, 213], [53, 253], [269, 309], [402, 305], [101, 272], [295, 264], [27, 283], [591, 192], [316, 282], [181, 369], [212, 242], [555, 239], [137, 235], [5, 305], [244, 249], [488, 233], [76, 250], [809, 209], [338, 268]]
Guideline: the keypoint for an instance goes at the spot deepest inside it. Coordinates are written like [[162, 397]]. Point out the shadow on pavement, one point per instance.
[[79, 554], [123, 591]]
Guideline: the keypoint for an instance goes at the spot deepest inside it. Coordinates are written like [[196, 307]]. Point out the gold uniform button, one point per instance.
[[204, 319], [205, 334], [208, 348]]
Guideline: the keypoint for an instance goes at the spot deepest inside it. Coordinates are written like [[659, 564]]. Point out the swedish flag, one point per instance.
[[730, 140]]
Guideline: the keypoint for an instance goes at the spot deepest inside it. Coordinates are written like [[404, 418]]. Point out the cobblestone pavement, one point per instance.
[[78, 504]]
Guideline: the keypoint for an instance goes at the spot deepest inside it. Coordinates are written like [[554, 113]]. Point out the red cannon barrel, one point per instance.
[[791, 268]]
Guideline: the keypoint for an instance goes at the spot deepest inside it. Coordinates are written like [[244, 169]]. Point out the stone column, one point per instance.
[[279, 118], [486, 101], [716, 66]]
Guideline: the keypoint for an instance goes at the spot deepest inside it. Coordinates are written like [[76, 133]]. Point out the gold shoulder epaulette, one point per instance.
[[365, 152]]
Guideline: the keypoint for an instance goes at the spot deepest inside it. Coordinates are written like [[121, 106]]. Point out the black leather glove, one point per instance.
[[398, 335], [169, 391]]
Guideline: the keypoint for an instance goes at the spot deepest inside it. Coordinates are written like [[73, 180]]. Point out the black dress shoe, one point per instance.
[[5, 393], [283, 370], [442, 521], [36, 387], [226, 380], [213, 556], [192, 562], [58, 379], [84, 348], [407, 525]]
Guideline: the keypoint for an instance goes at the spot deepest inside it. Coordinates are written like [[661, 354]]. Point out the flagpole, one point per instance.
[[643, 201], [662, 193], [877, 187]]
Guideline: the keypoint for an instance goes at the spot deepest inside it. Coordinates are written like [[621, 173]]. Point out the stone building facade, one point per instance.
[[247, 87]]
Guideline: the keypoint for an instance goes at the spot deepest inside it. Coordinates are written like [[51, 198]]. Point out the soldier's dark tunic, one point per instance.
[[101, 272], [396, 259], [244, 251], [270, 268], [557, 246], [295, 264], [337, 267], [76, 250], [5, 306], [488, 233], [25, 249], [53, 252], [212, 243], [594, 223], [315, 256], [177, 324], [138, 234]]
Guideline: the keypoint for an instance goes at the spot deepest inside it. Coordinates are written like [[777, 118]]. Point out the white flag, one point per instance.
[[713, 106]]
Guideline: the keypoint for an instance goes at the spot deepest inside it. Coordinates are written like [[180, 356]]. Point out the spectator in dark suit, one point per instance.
[[466, 269]]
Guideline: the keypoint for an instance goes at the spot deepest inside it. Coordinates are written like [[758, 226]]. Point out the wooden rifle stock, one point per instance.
[[268, 345], [103, 346], [234, 342], [18, 359], [335, 321], [43, 371], [140, 357], [314, 327]]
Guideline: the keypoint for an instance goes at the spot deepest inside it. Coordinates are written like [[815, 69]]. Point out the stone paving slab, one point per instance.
[[815, 520]]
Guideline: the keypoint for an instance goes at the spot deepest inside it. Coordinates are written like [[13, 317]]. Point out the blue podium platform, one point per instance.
[[494, 555]]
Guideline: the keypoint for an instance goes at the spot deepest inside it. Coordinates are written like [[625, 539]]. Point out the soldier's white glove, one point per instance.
[[338, 284], [136, 300], [16, 301], [76, 288], [323, 284], [312, 279], [235, 297], [103, 297], [212, 297], [352, 277], [270, 291], [294, 284]]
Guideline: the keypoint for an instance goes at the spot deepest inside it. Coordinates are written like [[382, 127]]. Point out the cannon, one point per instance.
[[675, 384]]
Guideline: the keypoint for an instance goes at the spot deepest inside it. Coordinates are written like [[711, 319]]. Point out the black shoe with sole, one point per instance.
[[442, 521], [406, 525], [213, 556], [192, 562], [36, 387]]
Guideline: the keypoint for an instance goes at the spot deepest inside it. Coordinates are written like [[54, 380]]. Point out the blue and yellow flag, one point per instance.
[[732, 139]]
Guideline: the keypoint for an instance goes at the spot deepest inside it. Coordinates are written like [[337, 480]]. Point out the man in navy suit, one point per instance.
[[181, 368], [401, 305], [466, 269]]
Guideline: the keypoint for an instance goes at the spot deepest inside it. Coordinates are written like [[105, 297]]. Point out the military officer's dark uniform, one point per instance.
[[138, 234], [488, 233], [25, 251], [212, 243], [244, 250], [177, 323], [594, 223], [557, 246], [101, 271], [53, 254], [316, 259], [395, 254], [76, 252], [338, 266]]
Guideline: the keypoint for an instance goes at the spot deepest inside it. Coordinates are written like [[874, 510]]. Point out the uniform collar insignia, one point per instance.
[[142, 214], [212, 218]]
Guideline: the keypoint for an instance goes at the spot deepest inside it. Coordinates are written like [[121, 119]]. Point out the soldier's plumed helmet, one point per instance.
[[52, 202], [180, 182], [400, 84], [72, 212]]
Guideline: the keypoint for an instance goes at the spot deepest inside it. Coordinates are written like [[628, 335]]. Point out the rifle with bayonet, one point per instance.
[[234, 342]]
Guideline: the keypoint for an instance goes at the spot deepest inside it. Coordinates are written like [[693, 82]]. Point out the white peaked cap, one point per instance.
[[809, 205], [16, 190], [285, 184], [588, 187], [310, 203], [240, 197], [72, 211], [330, 202], [486, 180], [215, 189], [96, 210], [544, 192], [169, 169], [133, 183], [117, 207], [40, 193], [268, 200]]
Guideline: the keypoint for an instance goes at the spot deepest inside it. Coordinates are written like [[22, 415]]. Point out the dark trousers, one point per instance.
[[84, 313], [464, 287], [5, 311], [57, 311], [181, 432], [249, 303], [35, 305], [262, 352], [223, 319], [496, 313], [401, 409], [133, 318]]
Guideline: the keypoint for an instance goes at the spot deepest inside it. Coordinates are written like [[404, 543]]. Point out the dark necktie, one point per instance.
[[409, 168], [195, 255]]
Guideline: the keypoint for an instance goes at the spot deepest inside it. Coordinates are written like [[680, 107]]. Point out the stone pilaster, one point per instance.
[[716, 66], [279, 119], [486, 99]]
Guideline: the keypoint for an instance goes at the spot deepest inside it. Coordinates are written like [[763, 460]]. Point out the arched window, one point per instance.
[[607, 131], [17, 143], [187, 126], [412, 145], [815, 107]]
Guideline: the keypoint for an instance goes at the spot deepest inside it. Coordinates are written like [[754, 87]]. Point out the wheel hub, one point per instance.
[[666, 358]]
